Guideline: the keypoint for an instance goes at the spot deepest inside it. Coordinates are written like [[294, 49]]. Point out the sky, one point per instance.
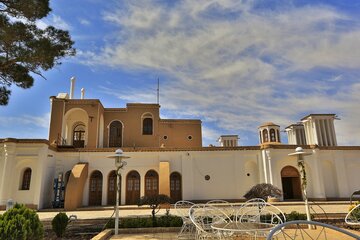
[[233, 64]]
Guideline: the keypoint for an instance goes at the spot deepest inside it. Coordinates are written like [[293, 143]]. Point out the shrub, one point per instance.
[[163, 221], [294, 215], [263, 190], [356, 213], [154, 203], [20, 223], [59, 224]]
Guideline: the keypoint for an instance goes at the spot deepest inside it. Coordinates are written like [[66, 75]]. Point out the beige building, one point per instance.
[[166, 156]]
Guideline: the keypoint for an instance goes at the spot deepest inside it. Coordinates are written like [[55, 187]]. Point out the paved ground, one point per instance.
[[336, 207], [292, 234], [106, 212]]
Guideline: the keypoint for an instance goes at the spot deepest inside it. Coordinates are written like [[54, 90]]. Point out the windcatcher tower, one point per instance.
[[269, 132], [319, 129]]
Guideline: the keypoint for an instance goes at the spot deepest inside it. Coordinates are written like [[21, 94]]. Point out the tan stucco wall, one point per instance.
[[131, 119], [164, 178], [56, 117], [75, 186], [178, 132], [66, 112]]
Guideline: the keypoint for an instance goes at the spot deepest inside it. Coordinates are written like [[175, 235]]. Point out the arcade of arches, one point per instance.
[[133, 186]]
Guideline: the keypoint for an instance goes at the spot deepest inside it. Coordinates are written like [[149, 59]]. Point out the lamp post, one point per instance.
[[299, 153], [119, 164]]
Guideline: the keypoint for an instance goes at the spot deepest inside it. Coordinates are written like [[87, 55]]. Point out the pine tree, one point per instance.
[[25, 48]]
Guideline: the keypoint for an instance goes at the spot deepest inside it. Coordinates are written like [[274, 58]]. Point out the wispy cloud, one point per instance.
[[31, 126], [235, 66], [54, 20]]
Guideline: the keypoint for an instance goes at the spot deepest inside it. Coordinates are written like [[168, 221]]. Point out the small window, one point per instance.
[[272, 135], [190, 137], [265, 135], [25, 185], [207, 177], [165, 137]]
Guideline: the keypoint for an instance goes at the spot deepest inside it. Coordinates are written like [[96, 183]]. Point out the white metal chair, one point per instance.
[[188, 228], [259, 217], [318, 231], [224, 205], [202, 216], [254, 203], [353, 217]]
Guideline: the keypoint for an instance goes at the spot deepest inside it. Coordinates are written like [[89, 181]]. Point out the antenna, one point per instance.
[[158, 91]]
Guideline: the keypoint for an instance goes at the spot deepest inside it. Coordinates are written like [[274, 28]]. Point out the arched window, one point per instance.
[[115, 134], [151, 183], [278, 135], [147, 124], [272, 135], [79, 136], [25, 184], [265, 135]]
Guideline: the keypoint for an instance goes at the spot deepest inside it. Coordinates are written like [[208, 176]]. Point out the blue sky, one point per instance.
[[233, 64]]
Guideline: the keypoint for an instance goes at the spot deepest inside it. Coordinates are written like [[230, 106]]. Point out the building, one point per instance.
[[166, 156]]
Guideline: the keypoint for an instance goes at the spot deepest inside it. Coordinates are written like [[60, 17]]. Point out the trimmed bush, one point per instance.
[[59, 224], [294, 215], [163, 221], [22, 223]]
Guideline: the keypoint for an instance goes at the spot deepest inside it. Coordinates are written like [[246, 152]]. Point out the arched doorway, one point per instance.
[[132, 188], [111, 196], [95, 188], [151, 183], [290, 179], [175, 187]]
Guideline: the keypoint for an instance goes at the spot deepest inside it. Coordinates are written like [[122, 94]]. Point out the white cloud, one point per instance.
[[84, 22], [236, 72], [55, 21], [31, 126]]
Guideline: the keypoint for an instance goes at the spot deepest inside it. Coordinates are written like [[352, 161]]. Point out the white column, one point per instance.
[[309, 132], [333, 132], [269, 167], [317, 133], [264, 166], [8, 172], [330, 135], [325, 135]]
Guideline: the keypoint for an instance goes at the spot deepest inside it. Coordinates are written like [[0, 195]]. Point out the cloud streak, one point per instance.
[[234, 65]]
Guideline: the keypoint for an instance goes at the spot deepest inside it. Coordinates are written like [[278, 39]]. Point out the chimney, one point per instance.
[[72, 86], [82, 93]]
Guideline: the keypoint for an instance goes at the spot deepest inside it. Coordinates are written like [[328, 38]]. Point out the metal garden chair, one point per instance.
[[188, 228], [300, 230], [353, 217]]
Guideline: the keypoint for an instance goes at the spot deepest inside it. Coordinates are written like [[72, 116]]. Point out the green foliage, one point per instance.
[[294, 215], [163, 221], [356, 213], [59, 224], [20, 223], [263, 190], [25, 48], [154, 202]]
